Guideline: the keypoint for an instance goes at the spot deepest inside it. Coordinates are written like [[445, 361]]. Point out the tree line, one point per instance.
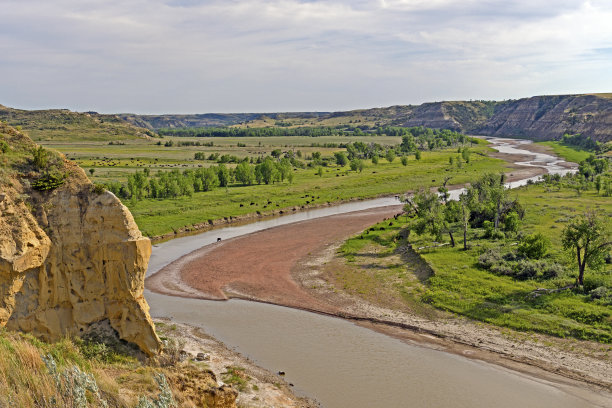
[[176, 183]]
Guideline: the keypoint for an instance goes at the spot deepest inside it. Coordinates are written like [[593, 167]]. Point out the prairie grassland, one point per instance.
[[460, 286], [157, 217]]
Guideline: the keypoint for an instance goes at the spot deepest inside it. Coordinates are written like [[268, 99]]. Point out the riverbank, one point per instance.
[[297, 278], [302, 279], [257, 388]]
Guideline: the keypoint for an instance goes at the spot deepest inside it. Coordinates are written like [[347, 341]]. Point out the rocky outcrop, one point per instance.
[[70, 258], [537, 118], [550, 117]]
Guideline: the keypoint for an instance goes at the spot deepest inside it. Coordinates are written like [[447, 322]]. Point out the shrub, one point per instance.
[[488, 227], [40, 157], [534, 246], [511, 222], [490, 258], [404, 160], [600, 292], [3, 146], [98, 188], [49, 182], [497, 235], [525, 269]]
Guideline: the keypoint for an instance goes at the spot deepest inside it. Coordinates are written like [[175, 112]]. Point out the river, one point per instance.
[[341, 364]]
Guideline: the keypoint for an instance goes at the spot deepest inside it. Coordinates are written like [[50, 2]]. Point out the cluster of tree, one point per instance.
[[584, 142], [174, 183], [593, 173], [484, 204], [171, 143], [252, 132], [421, 134], [430, 139]]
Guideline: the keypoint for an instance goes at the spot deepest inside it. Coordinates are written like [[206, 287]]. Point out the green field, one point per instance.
[[156, 216], [64, 125], [571, 154], [136, 155], [460, 286]]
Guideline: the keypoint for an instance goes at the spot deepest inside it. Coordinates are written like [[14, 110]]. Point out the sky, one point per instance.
[[196, 56]]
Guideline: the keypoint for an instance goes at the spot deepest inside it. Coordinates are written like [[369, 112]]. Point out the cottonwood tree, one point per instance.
[[588, 238], [467, 201], [430, 214]]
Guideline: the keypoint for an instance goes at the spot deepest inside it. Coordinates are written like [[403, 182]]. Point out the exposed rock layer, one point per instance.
[[537, 118], [70, 258]]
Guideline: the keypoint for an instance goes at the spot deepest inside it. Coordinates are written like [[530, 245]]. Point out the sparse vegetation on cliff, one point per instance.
[[74, 373]]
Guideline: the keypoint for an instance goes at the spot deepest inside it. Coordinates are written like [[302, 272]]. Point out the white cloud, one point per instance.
[[262, 55]]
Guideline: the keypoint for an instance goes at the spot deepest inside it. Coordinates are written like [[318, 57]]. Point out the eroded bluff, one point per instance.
[[72, 258]]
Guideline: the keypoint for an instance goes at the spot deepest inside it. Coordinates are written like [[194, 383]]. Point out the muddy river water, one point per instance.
[[341, 364]]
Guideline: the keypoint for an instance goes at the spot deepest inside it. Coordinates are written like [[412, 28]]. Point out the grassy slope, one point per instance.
[[571, 154], [155, 217], [64, 125], [460, 286], [145, 153], [26, 380]]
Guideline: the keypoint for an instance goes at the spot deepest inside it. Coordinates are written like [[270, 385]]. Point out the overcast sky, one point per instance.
[[195, 56]]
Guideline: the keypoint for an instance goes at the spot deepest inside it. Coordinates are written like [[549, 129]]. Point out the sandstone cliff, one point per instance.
[[549, 117], [70, 257], [537, 117]]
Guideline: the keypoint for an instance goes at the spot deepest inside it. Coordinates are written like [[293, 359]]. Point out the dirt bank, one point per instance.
[[257, 388], [287, 265], [258, 266]]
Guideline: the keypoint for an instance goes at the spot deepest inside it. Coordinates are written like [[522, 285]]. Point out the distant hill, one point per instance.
[[153, 122], [537, 118], [65, 125]]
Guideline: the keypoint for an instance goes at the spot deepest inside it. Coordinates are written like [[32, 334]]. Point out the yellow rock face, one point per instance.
[[79, 261]]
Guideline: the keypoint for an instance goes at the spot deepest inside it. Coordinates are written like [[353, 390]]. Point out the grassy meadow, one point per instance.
[[379, 262], [160, 216], [571, 154]]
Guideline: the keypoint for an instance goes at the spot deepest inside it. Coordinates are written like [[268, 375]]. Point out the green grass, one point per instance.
[[156, 217], [460, 286], [64, 125], [571, 154]]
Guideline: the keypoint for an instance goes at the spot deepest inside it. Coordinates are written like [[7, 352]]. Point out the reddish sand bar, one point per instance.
[[258, 266]]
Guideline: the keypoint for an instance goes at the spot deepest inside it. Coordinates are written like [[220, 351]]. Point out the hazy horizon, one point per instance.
[[191, 56]]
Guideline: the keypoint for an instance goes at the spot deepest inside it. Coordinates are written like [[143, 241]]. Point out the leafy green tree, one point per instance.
[[375, 159], [467, 201], [40, 157], [284, 169], [209, 178], [357, 165], [267, 171], [245, 173], [136, 185], [417, 154], [511, 222], [430, 215], [223, 175], [390, 156], [533, 246], [404, 160], [465, 154], [341, 159], [587, 237]]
